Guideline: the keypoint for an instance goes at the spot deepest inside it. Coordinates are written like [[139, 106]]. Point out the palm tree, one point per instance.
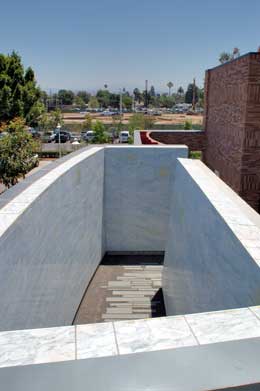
[[170, 85]]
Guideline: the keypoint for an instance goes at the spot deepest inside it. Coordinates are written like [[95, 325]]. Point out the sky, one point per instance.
[[84, 44]]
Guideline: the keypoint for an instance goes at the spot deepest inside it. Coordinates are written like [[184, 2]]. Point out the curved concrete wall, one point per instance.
[[213, 253], [53, 244]]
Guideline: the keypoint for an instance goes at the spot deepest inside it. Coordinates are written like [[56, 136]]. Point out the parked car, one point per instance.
[[35, 133], [124, 136], [109, 113], [64, 136], [33, 162], [50, 137], [89, 136], [74, 138]]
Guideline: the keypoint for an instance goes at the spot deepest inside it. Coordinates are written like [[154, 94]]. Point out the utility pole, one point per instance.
[[121, 101], [194, 95], [146, 94]]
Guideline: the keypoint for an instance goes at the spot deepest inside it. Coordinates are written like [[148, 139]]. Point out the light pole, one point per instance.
[[59, 127], [121, 101]]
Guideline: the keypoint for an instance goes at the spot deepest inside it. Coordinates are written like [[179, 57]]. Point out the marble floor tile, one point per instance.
[[145, 335], [25, 347], [95, 340], [220, 326]]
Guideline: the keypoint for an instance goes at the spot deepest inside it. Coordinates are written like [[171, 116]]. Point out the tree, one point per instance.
[[50, 121], [166, 101], [87, 124], [180, 91], [103, 98], [137, 95], [79, 101], [19, 94], [93, 103], [84, 95], [139, 121], [170, 85], [117, 125], [152, 91], [180, 95], [114, 100], [100, 135], [127, 101], [189, 94], [17, 148], [66, 97], [225, 56]]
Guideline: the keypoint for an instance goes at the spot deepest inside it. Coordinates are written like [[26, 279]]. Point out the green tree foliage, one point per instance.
[[189, 94], [170, 85], [79, 101], [152, 91], [87, 124], [117, 125], [127, 101], [93, 103], [103, 98], [100, 134], [114, 100], [50, 121], [139, 121], [226, 56], [137, 95], [17, 149], [84, 95], [19, 94], [66, 97], [188, 125], [166, 101]]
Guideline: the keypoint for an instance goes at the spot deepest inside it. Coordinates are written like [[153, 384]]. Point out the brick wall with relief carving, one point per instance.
[[232, 125]]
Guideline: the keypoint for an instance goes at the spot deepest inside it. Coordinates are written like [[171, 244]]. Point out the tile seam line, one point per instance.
[[256, 316], [76, 342], [115, 336], [191, 330]]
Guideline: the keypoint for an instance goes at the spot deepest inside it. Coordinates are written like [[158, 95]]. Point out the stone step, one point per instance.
[[134, 293], [125, 316], [123, 310], [129, 299], [115, 284]]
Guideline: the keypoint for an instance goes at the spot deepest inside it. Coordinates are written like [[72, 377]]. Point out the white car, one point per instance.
[[108, 113], [124, 136], [89, 136]]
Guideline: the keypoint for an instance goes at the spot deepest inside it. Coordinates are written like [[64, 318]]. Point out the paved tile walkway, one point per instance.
[[133, 295], [123, 291]]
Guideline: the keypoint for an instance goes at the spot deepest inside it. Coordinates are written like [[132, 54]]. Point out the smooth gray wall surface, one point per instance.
[[206, 268], [48, 256], [137, 198]]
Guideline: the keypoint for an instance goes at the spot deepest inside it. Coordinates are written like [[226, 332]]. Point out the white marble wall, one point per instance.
[[25, 347], [213, 249], [55, 232], [51, 242], [138, 185]]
